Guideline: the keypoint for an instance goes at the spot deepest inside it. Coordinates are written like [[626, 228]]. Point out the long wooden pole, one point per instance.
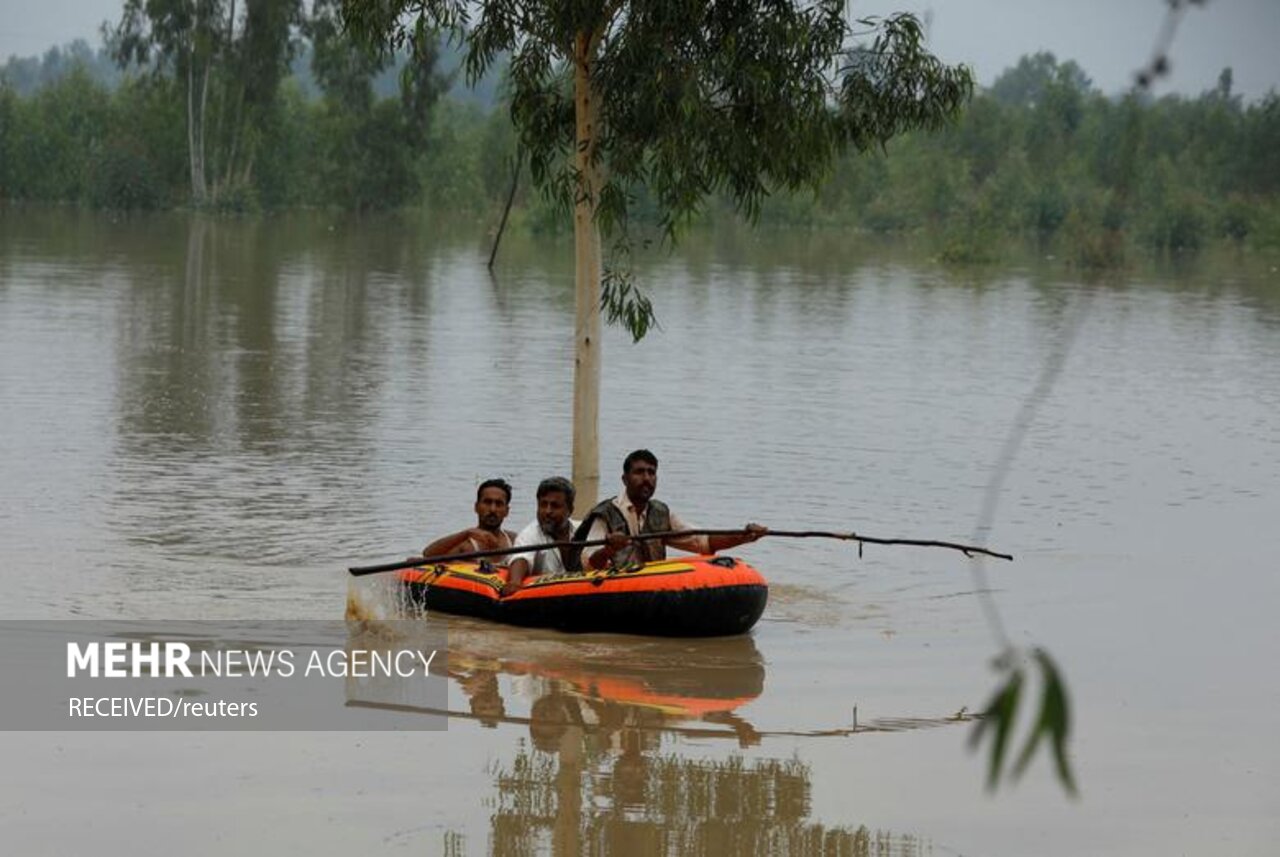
[[414, 562]]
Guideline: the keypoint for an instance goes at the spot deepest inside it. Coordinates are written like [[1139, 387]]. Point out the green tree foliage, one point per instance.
[[1170, 175], [343, 69], [1069, 166], [370, 146], [688, 99], [141, 162], [9, 134], [28, 75], [182, 39], [53, 138], [1259, 167], [1035, 77], [231, 60], [256, 59]]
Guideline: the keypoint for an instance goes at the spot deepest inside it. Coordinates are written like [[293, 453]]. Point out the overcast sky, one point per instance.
[[1108, 38]]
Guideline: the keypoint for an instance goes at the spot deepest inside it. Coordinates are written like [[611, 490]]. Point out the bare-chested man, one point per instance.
[[493, 502]]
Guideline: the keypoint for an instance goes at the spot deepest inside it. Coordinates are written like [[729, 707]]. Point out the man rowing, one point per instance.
[[493, 502], [552, 524], [634, 512]]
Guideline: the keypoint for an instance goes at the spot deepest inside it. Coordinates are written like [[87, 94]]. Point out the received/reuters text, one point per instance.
[[156, 706]]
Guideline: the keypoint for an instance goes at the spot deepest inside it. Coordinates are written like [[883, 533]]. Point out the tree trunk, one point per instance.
[[204, 113], [511, 197], [220, 176], [586, 235], [195, 129], [193, 153]]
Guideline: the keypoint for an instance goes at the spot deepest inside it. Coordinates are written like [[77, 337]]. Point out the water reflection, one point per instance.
[[257, 354], [601, 734], [550, 683], [637, 802], [599, 766], [555, 683]]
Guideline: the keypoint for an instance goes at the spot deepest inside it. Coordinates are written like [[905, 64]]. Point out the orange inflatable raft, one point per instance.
[[696, 596]]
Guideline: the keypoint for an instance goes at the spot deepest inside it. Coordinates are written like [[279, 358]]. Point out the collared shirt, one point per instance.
[[544, 561], [692, 544]]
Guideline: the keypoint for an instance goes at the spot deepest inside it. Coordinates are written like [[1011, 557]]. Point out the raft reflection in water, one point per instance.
[[604, 682]]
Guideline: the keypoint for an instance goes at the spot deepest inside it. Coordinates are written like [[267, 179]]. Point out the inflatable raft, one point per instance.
[[698, 596]]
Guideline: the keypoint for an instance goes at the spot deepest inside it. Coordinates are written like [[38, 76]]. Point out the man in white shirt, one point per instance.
[[552, 524]]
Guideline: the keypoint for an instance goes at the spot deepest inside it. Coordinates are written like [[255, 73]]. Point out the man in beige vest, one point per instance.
[[635, 512]]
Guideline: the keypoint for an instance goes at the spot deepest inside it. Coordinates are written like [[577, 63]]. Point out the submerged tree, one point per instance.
[[685, 99], [200, 42], [181, 38]]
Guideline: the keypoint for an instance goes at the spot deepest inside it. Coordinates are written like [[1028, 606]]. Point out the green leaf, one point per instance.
[[999, 717], [623, 303], [1053, 720]]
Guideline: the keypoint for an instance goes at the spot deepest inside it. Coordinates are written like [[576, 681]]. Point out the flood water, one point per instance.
[[213, 419]]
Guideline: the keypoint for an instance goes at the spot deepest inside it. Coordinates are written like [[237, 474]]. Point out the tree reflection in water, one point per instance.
[[629, 799]]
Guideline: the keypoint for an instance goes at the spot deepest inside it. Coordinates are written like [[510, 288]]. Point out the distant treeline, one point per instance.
[[1041, 154], [28, 75]]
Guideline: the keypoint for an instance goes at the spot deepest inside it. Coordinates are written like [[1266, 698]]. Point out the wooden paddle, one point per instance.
[[413, 562]]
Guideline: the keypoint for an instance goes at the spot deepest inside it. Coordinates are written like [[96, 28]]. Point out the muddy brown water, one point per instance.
[[206, 419]]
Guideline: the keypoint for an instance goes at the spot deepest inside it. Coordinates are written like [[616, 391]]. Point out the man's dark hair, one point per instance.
[[557, 483], [494, 483], [639, 455]]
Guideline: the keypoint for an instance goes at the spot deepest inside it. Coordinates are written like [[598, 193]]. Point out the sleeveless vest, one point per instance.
[[657, 519]]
